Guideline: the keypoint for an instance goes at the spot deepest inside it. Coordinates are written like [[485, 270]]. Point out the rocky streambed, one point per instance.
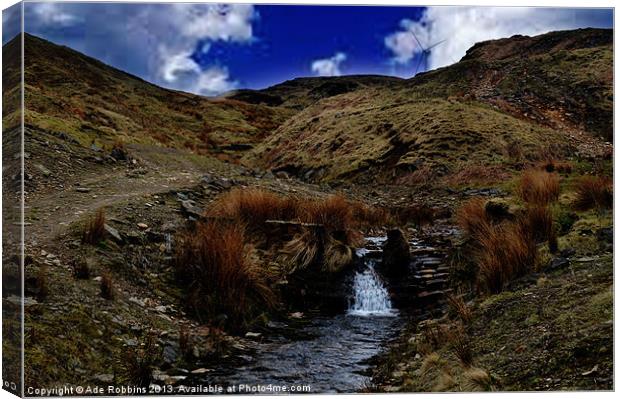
[[322, 353]]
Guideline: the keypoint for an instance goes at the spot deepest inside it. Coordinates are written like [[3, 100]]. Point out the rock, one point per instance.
[[104, 378], [568, 252], [225, 183], [95, 147], [46, 172], [131, 342], [119, 153], [116, 236], [142, 226], [207, 179], [134, 237], [281, 175], [201, 370], [605, 236], [253, 335], [170, 354], [154, 236], [296, 315], [396, 255], [558, 263], [189, 208], [171, 380], [82, 190]]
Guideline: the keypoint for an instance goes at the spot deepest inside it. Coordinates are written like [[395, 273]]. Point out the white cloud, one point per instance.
[[154, 41], [54, 14], [178, 29], [215, 80], [329, 66], [462, 27]]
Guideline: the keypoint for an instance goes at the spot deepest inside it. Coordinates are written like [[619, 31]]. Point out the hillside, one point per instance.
[[69, 92], [525, 99]]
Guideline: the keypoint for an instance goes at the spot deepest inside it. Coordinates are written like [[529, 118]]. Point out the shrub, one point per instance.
[[476, 379], [594, 192], [460, 344], [477, 174], [425, 175], [418, 214], [42, 285], [253, 206], [139, 363], [459, 307], [538, 187], [106, 286], [334, 212], [81, 270], [222, 274], [473, 219], [94, 231], [553, 165], [508, 251]]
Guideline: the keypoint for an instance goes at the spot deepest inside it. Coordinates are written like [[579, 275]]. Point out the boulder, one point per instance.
[[396, 255]]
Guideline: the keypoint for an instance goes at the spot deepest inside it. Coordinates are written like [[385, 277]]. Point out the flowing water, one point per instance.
[[330, 353]]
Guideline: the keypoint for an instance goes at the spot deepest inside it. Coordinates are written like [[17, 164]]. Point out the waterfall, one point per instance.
[[370, 297]]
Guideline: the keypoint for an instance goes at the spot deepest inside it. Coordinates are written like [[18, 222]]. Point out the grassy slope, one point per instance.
[[473, 107], [549, 330], [69, 92]]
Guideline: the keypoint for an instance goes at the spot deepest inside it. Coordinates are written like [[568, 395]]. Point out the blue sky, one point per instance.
[[210, 48]]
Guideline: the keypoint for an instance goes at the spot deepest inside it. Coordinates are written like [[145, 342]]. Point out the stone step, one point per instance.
[[436, 281]]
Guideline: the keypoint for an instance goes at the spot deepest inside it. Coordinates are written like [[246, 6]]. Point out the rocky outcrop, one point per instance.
[[396, 255]]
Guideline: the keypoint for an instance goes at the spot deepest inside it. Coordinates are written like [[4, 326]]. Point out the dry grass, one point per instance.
[[303, 250], [459, 308], [81, 270], [253, 206], [460, 344], [477, 174], [553, 165], [94, 230], [473, 219], [106, 287], [42, 284], [538, 187], [222, 274], [594, 192], [334, 212], [139, 363], [507, 250], [418, 214], [476, 379], [422, 176]]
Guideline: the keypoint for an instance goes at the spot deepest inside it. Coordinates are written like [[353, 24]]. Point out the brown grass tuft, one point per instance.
[[222, 274], [594, 192], [253, 206], [94, 231], [476, 379], [460, 344], [139, 363], [418, 214], [334, 212], [422, 176], [553, 165], [459, 307], [477, 174], [42, 284], [81, 270], [473, 219], [106, 286], [538, 187]]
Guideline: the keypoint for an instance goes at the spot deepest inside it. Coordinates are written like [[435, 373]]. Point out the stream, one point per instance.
[[328, 353]]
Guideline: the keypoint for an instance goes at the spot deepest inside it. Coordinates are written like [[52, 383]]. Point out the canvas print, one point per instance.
[[211, 198]]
